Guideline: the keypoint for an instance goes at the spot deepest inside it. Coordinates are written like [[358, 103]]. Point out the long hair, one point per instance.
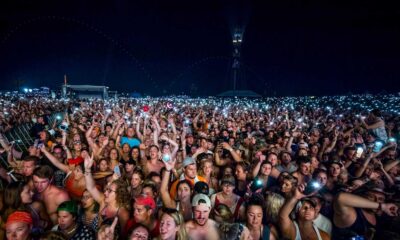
[[12, 198], [273, 203], [118, 153], [139, 157], [122, 194], [179, 221]]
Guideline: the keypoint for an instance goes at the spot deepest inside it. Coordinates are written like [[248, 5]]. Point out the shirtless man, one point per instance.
[[201, 227], [51, 195]]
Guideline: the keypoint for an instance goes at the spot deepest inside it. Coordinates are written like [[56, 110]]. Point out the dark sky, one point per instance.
[[166, 47]]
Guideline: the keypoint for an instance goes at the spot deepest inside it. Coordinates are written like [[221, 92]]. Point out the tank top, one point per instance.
[[74, 192], [359, 227], [298, 236], [265, 233]]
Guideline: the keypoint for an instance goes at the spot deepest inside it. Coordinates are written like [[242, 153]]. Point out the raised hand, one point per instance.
[[121, 131], [89, 160], [298, 192], [164, 138], [226, 146], [107, 233], [105, 141], [390, 209], [142, 146], [169, 165]]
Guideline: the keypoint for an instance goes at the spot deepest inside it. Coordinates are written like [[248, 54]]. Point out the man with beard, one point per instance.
[[201, 227], [48, 193]]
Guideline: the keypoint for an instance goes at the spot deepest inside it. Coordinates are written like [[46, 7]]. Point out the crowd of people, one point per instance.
[[205, 168]]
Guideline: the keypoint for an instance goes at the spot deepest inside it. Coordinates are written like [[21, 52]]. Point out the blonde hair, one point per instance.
[[273, 203], [179, 221]]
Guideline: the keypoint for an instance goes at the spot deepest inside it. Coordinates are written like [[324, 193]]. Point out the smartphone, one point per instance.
[[256, 184], [117, 170], [166, 157], [377, 146], [359, 152], [312, 186], [35, 143]]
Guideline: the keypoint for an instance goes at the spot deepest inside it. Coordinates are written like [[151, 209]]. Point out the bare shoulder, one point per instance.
[[324, 235], [60, 194], [189, 225], [212, 223]]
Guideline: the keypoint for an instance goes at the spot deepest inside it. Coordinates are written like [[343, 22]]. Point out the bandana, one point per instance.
[[19, 216], [75, 161]]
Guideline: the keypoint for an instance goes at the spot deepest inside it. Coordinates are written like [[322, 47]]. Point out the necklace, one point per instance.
[[71, 231]]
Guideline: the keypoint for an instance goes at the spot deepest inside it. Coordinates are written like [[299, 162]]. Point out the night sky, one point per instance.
[[173, 47]]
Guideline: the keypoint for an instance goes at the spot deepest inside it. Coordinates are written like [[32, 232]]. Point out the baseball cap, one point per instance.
[[309, 200], [201, 198], [188, 161], [228, 179], [146, 201], [189, 135], [201, 187]]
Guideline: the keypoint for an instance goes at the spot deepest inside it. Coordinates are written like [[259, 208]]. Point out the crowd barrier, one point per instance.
[[20, 136]]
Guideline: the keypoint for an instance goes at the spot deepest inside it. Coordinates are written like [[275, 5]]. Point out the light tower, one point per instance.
[[237, 39]]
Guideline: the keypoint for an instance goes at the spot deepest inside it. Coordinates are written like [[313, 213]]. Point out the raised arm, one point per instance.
[[54, 160], [288, 229], [333, 142], [165, 196], [89, 139], [233, 153], [138, 133], [380, 123], [183, 142], [360, 171], [217, 155], [173, 143], [172, 123], [344, 204], [257, 167], [117, 129], [90, 185]]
